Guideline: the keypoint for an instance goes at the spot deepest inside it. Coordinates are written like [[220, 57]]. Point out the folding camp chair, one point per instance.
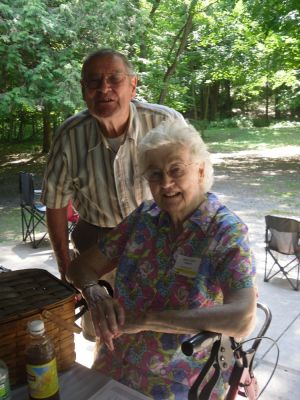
[[242, 381], [33, 213], [282, 248]]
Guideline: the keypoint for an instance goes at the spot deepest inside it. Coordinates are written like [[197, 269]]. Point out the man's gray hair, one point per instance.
[[107, 52], [179, 133]]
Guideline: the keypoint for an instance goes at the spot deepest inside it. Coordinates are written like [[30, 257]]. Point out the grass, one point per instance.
[[235, 139], [10, 224]]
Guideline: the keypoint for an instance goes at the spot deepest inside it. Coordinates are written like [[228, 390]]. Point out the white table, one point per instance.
[[78, 383]]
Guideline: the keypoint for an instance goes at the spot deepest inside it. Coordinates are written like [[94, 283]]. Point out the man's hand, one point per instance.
[[62, 268]]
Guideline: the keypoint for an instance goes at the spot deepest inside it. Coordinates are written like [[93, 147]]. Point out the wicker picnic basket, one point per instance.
[[31, 294]]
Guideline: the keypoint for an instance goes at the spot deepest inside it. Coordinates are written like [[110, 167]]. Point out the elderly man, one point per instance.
[[93, 159]]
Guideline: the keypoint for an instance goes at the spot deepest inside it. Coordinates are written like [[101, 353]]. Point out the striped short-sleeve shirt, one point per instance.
[[104, 186]]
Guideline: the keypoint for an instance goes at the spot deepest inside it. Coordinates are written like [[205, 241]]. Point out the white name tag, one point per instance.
[[187, 266]]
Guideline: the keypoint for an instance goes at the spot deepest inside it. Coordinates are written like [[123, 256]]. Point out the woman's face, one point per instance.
[[182, 192]]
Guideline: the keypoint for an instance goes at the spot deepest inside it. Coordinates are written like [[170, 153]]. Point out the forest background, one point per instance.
[[221, 63]]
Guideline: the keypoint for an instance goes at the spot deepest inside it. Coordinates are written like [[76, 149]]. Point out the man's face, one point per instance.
[[107, 88]]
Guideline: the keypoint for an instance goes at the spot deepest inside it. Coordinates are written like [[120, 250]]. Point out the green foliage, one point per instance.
[[210, 58], [43, 43]]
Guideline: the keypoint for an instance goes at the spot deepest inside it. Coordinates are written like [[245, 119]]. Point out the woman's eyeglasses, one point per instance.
[[114, 79], [175, 171]]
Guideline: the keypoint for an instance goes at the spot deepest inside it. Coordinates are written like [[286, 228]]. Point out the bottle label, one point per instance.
[[4, 390], [42, 379], [4, 382]]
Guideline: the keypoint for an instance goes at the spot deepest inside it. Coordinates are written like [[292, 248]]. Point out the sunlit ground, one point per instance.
[[278, 152]]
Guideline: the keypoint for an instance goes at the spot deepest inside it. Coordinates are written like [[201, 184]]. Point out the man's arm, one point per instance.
[[88, 267], [58, 231]]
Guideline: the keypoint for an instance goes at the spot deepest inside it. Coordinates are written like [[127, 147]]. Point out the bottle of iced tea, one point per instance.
[[4, 382], [41, 367]]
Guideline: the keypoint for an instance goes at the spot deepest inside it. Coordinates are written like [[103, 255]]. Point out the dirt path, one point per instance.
[[255, 184]]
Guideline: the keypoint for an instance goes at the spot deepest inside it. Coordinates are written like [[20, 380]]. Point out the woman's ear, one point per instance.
[[202, 170]]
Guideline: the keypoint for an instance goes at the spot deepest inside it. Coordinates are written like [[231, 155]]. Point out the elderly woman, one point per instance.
[[183, 265]]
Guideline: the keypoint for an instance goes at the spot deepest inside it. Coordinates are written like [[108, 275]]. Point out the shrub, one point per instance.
[[235, 122], [261, 122]]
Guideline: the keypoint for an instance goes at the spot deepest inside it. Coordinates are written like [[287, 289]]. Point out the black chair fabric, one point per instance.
[[33, 213], [282, 238]]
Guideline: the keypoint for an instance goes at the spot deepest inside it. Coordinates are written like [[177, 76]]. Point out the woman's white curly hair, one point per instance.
[[181, 133]]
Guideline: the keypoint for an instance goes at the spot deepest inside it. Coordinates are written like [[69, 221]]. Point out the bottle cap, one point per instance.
[[36, 327]]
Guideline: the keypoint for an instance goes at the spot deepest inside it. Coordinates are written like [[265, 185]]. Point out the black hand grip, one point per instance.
[[107, 286], [199, 342], [83, 308]]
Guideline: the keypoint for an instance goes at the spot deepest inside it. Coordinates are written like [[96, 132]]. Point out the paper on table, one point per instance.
[[114, 390]]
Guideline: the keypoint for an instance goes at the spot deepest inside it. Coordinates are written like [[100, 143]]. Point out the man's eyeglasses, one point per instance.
[[175, 171], [114, 79]]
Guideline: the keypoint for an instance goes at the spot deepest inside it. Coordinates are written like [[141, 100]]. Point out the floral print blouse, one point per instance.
[[150, 276]]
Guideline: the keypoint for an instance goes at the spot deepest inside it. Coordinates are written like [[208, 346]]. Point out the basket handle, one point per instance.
[[59, 321]]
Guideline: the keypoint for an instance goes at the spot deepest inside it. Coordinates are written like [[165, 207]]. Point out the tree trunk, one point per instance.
[[171, 68], [214, 101], [277, 109], [206, 93], [21, 128], [155, 6], [11, 133], [228, 100], [33, 127], [267, 100], [143, 37], [195, 111], [47, 131]]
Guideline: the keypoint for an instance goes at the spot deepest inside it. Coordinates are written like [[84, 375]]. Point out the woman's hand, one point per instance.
[[107, 314]]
